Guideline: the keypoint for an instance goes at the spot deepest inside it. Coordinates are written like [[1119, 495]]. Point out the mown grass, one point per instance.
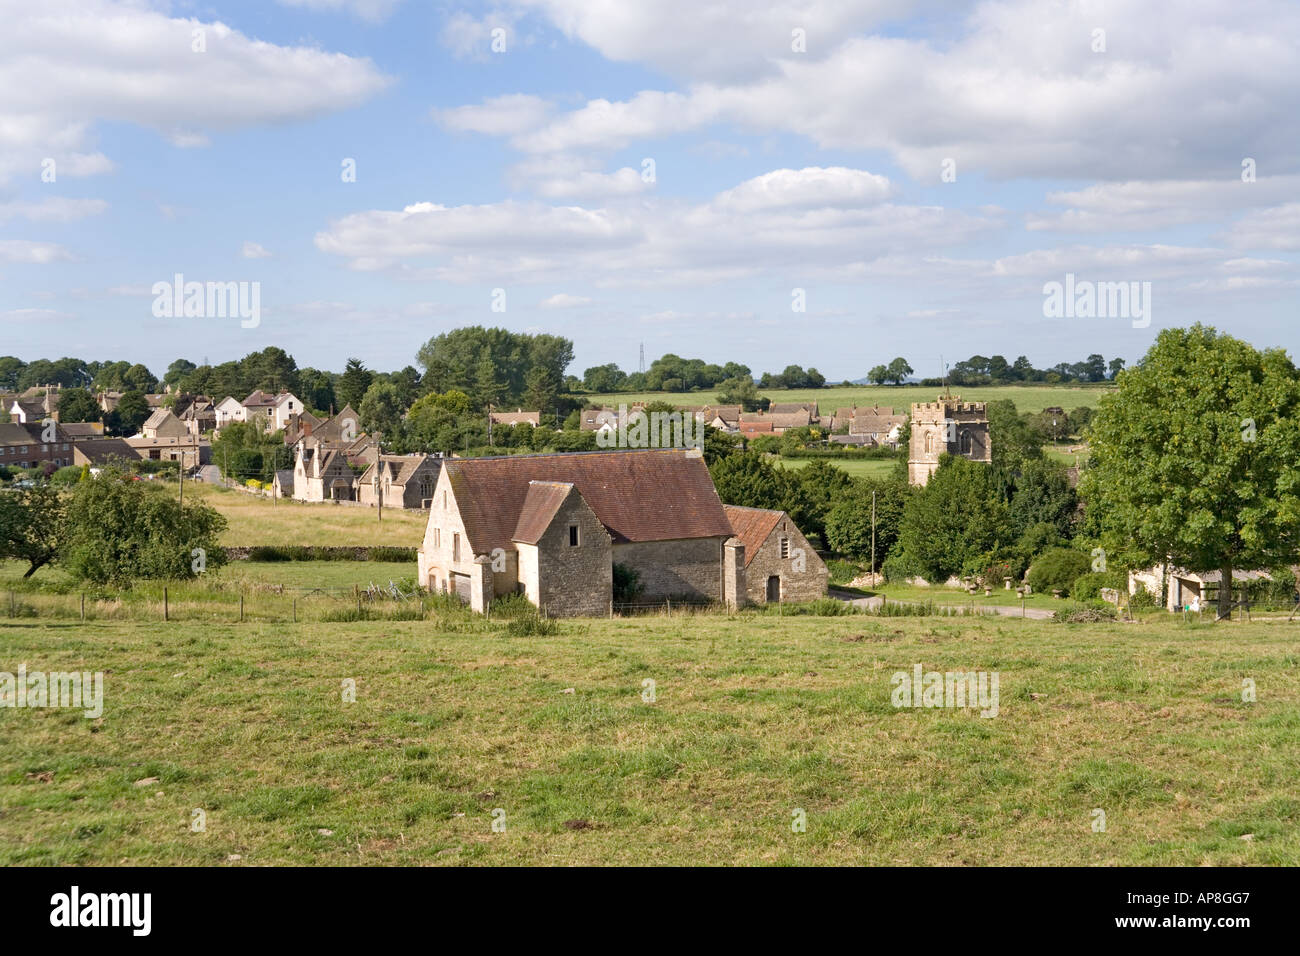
[[753, 717], [856, 467], [253, 520], [1028, 398]]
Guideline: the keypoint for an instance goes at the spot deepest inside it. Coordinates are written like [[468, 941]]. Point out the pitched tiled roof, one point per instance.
[[14, 433], [544, 498], [100, 450], [520, 417], [642, 495], [752, 526]]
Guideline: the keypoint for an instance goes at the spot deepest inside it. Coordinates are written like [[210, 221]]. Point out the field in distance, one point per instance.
[[1028, 398], [256, 520], [753, 718]]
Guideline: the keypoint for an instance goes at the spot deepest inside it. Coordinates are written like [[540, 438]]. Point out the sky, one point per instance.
[[817, 182]]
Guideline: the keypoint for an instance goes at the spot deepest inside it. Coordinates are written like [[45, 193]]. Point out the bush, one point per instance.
[[1085, 612], [67, 475], [512, 606], [1058, 569], [898, 567], [627, 584], [842, 571], [532, 625], [1142, 599], [1088, 587]]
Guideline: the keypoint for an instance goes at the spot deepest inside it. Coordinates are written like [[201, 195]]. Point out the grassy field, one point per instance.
[[754, 717], [1028, 398], [255, 520], [857, 467]]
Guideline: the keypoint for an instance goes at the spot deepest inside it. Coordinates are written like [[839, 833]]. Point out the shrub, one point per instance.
[[842, 571], [67, 475], [627, 584], [532, 625], [1087, 587], [1058, 569], [899, 567], [1142, 599], [1084, 612], [512, 606]]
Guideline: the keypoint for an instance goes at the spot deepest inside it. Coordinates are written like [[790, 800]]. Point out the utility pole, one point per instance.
[[180, 474], [873, 539], [489, 424], [379, 492]]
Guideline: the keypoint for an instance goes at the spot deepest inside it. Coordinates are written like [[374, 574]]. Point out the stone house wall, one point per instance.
[[679, 568], [806, 585]]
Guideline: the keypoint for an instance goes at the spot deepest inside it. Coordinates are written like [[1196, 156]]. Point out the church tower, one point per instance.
[[946, 425]]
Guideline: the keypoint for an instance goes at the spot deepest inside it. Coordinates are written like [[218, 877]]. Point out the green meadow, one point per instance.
[[753, 718]]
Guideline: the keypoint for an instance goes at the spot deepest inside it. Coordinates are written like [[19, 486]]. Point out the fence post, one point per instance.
[[83, 605], [166, 610], [241, 608], [295, 610]]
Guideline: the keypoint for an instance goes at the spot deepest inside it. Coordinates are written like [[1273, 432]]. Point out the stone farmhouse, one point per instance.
[[399, 481], [517, 417], [947, 425], [553, 527], [780, 564], [323, 473]]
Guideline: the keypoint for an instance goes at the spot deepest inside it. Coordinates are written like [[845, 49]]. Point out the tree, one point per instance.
[[31, 526], [878, 375], [1116, 366], [1194, 460], [11, 368], [316, 389], [177, 371], [540, 388], [137, 378], [489, 388], [119, 531], [740, 391], [131, 412], [899, 370], [604, 378], [848, 524], [381, 410], [78, 405], [356, 379], [1043, 496], [956, 519]]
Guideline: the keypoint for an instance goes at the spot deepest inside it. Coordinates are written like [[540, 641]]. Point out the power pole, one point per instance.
[[489, 424], [873, 539], [180, 473], [379, 492]]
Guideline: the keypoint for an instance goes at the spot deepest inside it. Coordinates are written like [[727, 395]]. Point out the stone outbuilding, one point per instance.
[[553, 527], [779, 563]]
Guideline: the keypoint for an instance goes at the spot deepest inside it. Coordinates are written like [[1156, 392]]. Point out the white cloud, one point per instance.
[[78, 62], [1275, 228], [562, 300], [1186, 89], [1138, 205], [498, 116], [253, 250], [52, 209], [811, 188], [373, 10], [35, 253], [567, 177]]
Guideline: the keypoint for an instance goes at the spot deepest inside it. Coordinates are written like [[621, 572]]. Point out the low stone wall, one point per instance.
[[327, 553]]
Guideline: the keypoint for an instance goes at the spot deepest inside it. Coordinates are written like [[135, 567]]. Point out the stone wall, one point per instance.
[[575, 580], [680, 568], [796, 585]]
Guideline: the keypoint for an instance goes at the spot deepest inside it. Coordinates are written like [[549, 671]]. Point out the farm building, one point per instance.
[[553, 527], [402, 481], [780, 564]]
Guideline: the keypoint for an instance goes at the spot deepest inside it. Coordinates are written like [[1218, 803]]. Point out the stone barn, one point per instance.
[[779, 563], [553, 527]]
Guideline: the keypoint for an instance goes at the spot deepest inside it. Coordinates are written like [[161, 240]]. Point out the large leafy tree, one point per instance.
[[953, 522], [848, 524], [1195, 460], [119, 531], [31, 526], [78, 405]]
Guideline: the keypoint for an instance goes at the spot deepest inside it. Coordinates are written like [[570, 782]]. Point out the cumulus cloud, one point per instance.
[[1274, 228], [79, 62], [562, 300], [253, 250], [52, 209], [34, 253], [375, 11]]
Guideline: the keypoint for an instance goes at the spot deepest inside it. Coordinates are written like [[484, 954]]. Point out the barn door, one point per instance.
[[774, 589], [460, 585]]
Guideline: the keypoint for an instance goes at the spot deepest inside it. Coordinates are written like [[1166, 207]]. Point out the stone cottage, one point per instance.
[[950, 426], [553, 527], [780, 564], [403, 481]]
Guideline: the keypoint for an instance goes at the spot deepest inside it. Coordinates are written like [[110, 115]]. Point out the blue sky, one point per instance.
[[775, 168]]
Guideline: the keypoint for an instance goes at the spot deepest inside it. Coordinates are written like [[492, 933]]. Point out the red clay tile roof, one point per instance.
[[643, 495], [544, 498], [752, 526]]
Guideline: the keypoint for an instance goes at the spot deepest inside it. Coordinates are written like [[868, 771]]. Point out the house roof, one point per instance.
[[867, 422], [789, 408], [642, 495], [543, 500], [258, 399], [82, 429], [157, 418], [752, 526], [100, 450], [15, 433], [519, 417], [396, 468]]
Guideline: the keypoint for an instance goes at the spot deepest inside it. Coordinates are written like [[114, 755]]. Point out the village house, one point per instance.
[[24, 445], [200, 416], [402, 481], [97, 452], [187, 449], [553, 527], [946, 426], [1187, 586], [780, 564], [881, 426], [228, 411], [286, 408], [323, 473], [517, 417], [163, 424]]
